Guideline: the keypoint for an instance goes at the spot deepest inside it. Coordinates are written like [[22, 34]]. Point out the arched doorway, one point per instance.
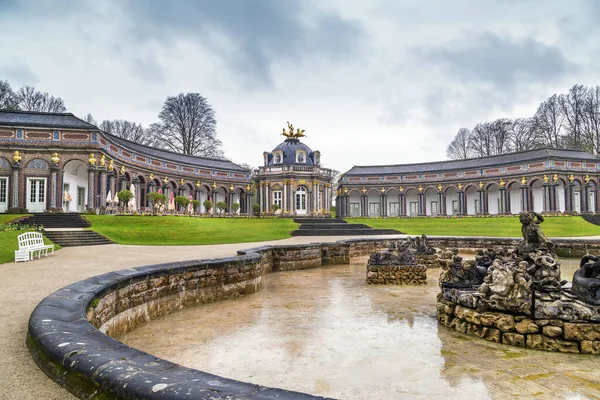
[[300, 200], [5, 171], [75, 186]]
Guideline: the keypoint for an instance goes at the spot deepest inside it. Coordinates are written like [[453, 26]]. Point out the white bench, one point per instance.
[[31, 243]]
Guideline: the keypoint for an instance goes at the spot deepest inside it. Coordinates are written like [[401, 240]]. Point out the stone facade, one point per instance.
[[58, 162], [543, 180], [521, 331], [292, 177]]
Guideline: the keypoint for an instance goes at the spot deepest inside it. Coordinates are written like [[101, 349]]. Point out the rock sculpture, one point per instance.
[[586, 280], [533, 237], [396, 265]]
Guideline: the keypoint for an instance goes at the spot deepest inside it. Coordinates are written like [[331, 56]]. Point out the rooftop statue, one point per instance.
[[290, 134]]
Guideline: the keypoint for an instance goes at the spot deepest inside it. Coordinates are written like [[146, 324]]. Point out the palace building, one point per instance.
[[541, 180], [293, 179], [58, 162]]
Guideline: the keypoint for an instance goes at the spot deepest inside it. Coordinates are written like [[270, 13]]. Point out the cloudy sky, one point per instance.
[[371, 82]]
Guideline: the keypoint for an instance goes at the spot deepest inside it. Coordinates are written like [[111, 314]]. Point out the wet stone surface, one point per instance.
[[327, 332]]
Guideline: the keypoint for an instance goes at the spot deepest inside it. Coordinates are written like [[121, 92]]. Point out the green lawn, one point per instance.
[[170, 230], [8, 240], [505, 226]]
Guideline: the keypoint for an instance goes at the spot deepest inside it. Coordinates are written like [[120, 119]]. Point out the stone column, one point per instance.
[[284, 206], [364, 207], [91, 187], [442, 203], [421, 204], [553, 197], [482, 201], [569, 198], [15, 186], [401, 205], [229, 202], [213, 196], [54, 188], [585, 193], [524, 198], [383, 205], [547, 197], [111, 184], [462, 209], [267, 197], [136, 185], [103, 186], [122, 185], [347, 205]]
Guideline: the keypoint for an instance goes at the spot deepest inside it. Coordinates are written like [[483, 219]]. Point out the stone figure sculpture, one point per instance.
[[506, 287], [533, 237]]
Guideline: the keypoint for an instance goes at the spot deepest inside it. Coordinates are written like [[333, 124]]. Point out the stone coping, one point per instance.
[[65, 332]]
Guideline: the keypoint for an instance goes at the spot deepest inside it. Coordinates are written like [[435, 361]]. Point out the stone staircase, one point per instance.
[[336, 227], [592, 219], [67, 230]]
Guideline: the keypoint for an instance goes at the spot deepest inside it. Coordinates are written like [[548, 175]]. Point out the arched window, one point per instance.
[[300, 157], [278, 158]]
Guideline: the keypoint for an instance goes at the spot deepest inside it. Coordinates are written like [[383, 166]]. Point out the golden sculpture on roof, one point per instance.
[[55, 159], [17, 157], [102, 160], [92, 160], [111, 166], [122, 171], [290, 134]]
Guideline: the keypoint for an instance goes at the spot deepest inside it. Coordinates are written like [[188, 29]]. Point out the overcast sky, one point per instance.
[[371, 82]]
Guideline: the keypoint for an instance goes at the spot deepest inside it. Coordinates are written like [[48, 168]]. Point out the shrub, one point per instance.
[[256, 208], [221, 205], [182, 202], [124, 196], [235, 207], [195, 205], [274, 208], [208, 205], [157, 199]]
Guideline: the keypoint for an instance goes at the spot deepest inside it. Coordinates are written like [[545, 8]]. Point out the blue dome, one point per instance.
[[289, 150]]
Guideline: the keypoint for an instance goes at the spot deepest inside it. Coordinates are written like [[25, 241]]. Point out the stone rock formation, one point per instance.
[[398, 264], [586, 280]]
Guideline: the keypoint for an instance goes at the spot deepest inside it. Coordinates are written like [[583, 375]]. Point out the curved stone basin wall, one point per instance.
[[66, 330]]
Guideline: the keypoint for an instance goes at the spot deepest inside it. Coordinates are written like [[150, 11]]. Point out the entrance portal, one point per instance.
[[36, 195], [301, 201]]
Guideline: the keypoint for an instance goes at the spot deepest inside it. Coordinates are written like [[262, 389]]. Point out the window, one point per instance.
[[434, 208], [414, 208], [300, 157], [3, 190], [277, 198], [477, 210], [278, 158], [454, 207], [354, 210], [320, 201], [374, 210], [394, 209]]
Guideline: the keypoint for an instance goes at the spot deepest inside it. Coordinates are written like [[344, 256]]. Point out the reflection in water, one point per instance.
[[326, 332]]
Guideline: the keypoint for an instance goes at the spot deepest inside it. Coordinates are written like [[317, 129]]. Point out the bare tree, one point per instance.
[[90, 119], [572, 105], [32, 100], [459, 149], [481, 140], [523, 135], [500, 135], [128, 130], [188, 125], [591, 108], [8, 99], [548, 122]]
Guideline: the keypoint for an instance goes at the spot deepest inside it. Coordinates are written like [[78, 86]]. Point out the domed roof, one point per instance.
[[289, 149]]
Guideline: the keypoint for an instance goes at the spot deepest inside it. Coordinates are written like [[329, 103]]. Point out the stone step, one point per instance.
[[345, 232], [77, 238], [592, 219], [318, 220], [57, 220], [333, 226]]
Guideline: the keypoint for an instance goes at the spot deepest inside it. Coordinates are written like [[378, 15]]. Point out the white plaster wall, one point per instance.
[[373, 198], [430, 196], [471, 196], [538, 199], [450, 198], [493, 196], [355, 198], [75, 175], [411, 198], [515, 201], [560, 194]]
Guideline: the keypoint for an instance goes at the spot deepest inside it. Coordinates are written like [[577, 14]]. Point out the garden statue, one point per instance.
[[507, 286], [533, 237]]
